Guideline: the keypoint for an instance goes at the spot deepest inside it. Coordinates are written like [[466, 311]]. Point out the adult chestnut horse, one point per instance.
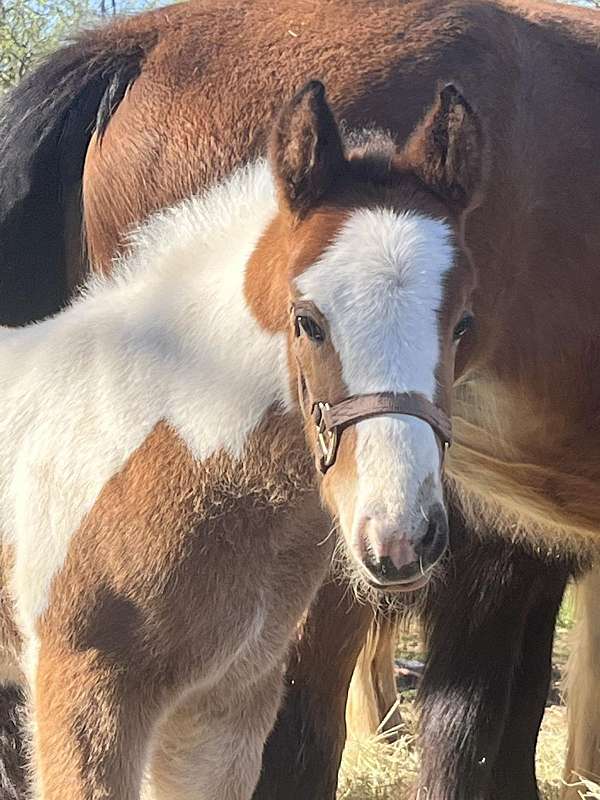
[[179, 98]]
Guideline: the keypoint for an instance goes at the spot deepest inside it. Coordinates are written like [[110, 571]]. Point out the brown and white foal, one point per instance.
[[160, 528]]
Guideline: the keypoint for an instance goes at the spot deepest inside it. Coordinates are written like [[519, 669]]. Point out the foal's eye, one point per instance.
[[462, 327], [309, 327]]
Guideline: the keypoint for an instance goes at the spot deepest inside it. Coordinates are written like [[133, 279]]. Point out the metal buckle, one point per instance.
[[328, 439]]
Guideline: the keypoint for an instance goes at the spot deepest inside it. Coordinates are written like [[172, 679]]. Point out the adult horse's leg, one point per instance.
[[514, 768], [583, 687], [372, 698], [481, 663], [303, 753]]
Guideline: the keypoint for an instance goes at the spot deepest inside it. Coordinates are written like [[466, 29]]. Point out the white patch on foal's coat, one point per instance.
[[380, 287], [170, 337]]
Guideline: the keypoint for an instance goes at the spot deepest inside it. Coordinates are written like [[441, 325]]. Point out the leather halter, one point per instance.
[[332, 420]]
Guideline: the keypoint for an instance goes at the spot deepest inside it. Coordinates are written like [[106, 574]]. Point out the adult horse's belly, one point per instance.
[[524, 468]]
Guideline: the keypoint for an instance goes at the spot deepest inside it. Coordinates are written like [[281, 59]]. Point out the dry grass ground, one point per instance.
[[375, 770]]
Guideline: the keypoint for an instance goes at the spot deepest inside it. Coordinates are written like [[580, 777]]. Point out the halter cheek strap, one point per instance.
[[332, 420]]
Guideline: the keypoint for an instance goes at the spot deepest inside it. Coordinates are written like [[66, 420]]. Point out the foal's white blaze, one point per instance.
[[380, 286]]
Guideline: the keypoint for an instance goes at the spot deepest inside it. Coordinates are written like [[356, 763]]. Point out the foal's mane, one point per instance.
[[374, 147], [245, 197]]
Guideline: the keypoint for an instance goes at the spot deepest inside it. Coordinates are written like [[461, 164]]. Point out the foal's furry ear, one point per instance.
[[447, 149], [306, 151]]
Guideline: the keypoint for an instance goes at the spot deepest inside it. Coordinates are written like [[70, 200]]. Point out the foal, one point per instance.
[[157, 486]]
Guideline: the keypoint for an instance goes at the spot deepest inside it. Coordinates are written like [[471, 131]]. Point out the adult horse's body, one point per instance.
[[183, 95]]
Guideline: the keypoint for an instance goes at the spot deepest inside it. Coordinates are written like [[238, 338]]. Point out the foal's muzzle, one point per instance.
[[403, 564]]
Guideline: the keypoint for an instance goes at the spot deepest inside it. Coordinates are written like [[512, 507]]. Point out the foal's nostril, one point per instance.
[[435, 541], [386, 573], [386, 567], [429, 538]]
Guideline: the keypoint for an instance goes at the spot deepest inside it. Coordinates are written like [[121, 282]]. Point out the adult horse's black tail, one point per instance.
[[46, 123]]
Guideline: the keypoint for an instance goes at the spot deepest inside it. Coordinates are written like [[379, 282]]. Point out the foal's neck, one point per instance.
[[189, 297], [169, 336]]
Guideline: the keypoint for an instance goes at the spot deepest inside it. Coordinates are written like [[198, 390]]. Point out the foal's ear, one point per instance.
[[446, 149], [306, 151]]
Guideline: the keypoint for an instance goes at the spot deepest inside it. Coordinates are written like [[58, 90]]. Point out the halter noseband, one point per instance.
[[332, 420]]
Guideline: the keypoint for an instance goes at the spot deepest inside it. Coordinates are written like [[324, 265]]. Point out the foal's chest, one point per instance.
[[186, 569]]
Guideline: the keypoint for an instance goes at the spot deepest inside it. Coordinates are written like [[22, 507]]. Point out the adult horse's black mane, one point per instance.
[[46, 123]]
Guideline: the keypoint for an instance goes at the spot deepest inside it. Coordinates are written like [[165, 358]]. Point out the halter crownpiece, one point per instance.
[[332, 420]]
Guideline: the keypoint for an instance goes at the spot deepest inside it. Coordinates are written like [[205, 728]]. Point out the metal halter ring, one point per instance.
[[328, 438]]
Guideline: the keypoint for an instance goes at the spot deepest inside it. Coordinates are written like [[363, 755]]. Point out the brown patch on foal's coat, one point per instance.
[[161, 590]]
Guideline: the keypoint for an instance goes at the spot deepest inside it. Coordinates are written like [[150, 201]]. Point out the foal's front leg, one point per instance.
[[210, 748], [89, 731], [303, 752]]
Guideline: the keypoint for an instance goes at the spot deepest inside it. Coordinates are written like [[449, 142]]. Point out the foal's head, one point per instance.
[[366, 259]]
